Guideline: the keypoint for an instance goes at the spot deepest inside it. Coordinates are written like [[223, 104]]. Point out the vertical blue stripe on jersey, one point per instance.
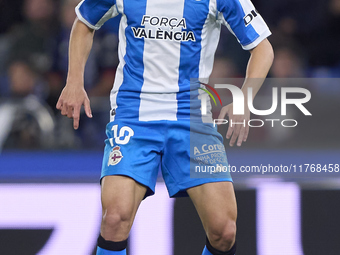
[[128, 98], [195, 14], [94, 10], [234, 16]]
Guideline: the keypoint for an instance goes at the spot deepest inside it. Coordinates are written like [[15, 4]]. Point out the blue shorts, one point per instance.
[[183, 150]]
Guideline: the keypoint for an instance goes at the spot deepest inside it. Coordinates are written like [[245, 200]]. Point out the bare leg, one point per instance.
[[216, 205], [121, 197]]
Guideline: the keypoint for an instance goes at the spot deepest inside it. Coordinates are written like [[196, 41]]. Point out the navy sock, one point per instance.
[[213, 251], [110, 245]]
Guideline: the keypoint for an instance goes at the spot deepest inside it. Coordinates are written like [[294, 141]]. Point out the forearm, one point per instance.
[[81, 40], [258, 67]]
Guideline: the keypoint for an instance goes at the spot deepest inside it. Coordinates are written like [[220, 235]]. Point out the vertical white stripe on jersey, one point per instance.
[[120, 6], [121, 53], [158, 76], [210, 38]]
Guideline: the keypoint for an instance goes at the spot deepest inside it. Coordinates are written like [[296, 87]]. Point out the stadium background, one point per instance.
[[49, 190]]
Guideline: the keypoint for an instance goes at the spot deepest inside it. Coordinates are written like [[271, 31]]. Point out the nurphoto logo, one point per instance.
[[239, 104]]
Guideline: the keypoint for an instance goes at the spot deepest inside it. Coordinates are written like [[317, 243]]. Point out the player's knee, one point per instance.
[[116, 223], [222, 236], [116, 217]]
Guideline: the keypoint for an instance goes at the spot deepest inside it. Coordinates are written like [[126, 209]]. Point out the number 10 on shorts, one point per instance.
[[121, 136]]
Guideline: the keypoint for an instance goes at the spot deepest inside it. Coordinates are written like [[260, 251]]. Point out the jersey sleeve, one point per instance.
[[242, 19], [94, 13]]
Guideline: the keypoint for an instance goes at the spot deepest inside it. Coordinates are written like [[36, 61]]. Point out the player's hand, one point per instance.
[[70, 101], [237, 132]]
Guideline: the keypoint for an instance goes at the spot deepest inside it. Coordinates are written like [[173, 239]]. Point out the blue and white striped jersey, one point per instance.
[[165, 43]]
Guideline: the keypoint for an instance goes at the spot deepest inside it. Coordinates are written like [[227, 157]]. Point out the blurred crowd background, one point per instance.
[[34, 38]]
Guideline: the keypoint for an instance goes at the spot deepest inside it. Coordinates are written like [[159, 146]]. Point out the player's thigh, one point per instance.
[[215, 203], [121, 195]]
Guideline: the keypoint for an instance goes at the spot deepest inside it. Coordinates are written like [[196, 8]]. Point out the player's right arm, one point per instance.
[[74, 95]]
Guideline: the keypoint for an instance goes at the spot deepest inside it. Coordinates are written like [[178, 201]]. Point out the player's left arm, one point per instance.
[[260, 61]]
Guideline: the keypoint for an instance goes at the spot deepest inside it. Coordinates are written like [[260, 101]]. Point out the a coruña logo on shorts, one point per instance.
[[115, 156]]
